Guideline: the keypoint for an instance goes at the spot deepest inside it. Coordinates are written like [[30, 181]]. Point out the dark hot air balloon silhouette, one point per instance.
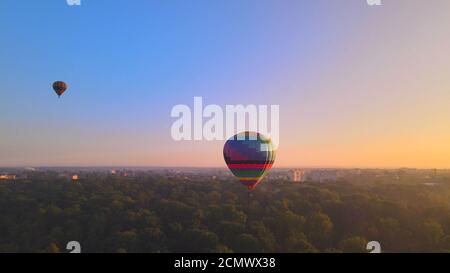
[[249, 156], [59, 87]]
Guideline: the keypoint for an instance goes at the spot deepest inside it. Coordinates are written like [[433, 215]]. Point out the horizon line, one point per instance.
[[215, 167]]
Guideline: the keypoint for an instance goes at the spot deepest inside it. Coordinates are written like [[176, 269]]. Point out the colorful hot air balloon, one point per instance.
[[59, 87], [249, 156]]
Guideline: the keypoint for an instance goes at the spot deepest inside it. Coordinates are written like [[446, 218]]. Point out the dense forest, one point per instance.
[[156, 214]]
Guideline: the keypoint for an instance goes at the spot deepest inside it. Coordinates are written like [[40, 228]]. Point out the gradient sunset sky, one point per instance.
[[357, 85]]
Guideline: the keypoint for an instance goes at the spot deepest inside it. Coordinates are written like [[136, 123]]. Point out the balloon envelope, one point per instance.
[[249, 156], [59, 87]]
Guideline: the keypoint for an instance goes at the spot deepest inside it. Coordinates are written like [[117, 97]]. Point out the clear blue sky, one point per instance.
[[128, 63]]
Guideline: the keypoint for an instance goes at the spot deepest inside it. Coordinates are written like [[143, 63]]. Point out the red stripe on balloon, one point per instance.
[[249, 166]]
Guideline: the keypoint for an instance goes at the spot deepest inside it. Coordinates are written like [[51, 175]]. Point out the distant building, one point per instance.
[[75, 178], [7, 177], [122, 173], [323, 175], [298, 175]]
